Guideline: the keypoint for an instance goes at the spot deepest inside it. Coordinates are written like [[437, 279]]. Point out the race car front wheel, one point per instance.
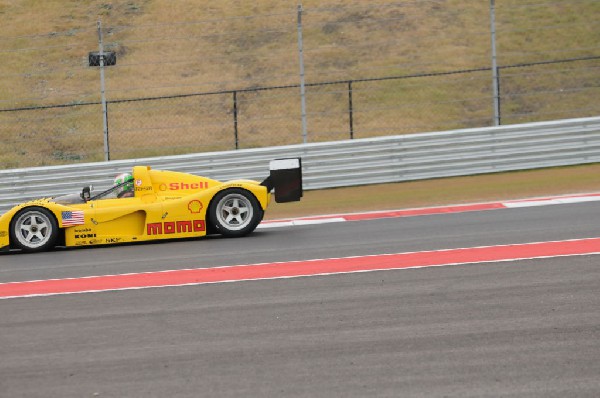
[[234, 212], [34, 229]]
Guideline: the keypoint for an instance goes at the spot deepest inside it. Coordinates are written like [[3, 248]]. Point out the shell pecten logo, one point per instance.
[[195, 206]]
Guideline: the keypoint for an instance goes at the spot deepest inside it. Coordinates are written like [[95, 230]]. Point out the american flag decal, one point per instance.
[[70, 218]]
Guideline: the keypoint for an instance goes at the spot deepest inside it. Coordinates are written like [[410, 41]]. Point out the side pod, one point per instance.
[[286, 178]]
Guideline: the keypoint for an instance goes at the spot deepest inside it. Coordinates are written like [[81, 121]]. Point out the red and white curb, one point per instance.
[[294, 269], [332, 218]]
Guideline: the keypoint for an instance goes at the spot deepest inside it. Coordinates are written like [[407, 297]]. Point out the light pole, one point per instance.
[[103, 59]]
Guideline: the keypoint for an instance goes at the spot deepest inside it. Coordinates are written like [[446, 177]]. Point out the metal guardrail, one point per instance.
[[346, 163]]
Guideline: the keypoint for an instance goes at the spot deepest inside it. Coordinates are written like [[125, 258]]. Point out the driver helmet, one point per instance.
[[125, 188]]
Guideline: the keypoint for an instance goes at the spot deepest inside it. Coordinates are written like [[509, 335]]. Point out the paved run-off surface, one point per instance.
[[516, 328]]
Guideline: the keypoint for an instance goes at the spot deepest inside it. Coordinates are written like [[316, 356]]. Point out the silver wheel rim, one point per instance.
[[234, 211], [33, 229]]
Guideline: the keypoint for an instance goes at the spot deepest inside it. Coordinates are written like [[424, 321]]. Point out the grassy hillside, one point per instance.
[[169, 48]]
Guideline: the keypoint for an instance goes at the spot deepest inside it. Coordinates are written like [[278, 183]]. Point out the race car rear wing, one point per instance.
[[286, 178]]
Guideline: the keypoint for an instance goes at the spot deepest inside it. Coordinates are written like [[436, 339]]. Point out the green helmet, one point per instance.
[[127, 180]]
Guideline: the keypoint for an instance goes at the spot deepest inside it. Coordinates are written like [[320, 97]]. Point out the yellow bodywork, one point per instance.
[[166, 205]]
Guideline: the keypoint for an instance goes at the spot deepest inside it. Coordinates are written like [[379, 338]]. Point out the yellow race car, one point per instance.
[[149, 205]]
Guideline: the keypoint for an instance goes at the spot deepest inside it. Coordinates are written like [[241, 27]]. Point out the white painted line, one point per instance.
[[553, 201], [299, 221]]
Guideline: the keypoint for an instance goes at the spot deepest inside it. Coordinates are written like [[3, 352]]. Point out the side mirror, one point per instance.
[[86, 193]]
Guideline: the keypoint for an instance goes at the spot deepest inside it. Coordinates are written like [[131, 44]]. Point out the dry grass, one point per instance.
[[177, 47], [211, 44]]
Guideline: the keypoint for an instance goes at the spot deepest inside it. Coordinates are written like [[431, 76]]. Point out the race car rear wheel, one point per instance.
[[234, 213], [34, 229]]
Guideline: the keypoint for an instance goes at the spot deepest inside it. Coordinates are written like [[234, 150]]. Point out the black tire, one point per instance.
[[34, 229], [234, 213]]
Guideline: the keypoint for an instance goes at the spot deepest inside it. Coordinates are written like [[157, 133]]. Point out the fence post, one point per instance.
[[302, 85], [235, 119], [495, 78], [350, 109], [103, 94]]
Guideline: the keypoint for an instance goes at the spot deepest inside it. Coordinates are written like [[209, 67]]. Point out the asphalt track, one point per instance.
[[514, 328]]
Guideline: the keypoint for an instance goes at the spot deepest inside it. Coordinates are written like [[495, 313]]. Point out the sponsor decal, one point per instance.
[[3, 234], [113, 240], [140, 189], [175, 227], [178, 186], [71, 218], [138, 183], [83, 230], [84, 236], [195, 206], [87, 242]]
